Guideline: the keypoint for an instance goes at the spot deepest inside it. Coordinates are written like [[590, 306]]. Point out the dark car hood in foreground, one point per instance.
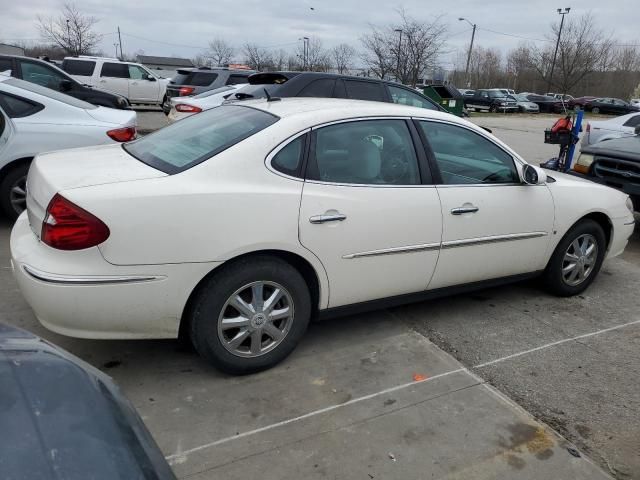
[[62, 419], [626, 147]]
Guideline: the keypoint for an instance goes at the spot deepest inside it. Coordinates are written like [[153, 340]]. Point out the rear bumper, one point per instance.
[[79, 294]]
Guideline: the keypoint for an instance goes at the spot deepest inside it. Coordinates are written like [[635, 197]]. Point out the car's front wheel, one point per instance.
[[13, 191], [251, 315], [576, 260]]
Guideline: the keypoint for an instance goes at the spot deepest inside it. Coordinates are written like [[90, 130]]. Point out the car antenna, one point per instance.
[[270, 98]]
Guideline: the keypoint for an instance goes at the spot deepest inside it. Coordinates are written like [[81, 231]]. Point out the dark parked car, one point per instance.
[[612, 106], [548, 104], [580, 101], [329, 85], [63, 419], [193, 81], [614, 162], [491, 100], [48, 75]]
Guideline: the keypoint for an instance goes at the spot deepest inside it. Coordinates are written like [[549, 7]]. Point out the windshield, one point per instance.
[[520, 97], [193, 140], [48, 92], [496, 94]]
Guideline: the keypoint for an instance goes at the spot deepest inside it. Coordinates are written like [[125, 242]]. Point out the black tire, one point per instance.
[[493, 109], [553, 278], [16, 177], [164, 106], [212, 298]]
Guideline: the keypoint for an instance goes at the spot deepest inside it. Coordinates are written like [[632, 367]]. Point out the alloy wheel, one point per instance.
[[18, 195], [579, 259], [255, 319]]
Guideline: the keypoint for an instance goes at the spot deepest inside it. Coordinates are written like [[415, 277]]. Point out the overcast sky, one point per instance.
[[184, 27]]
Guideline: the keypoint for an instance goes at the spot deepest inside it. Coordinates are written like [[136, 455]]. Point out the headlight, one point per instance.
[[585, 160], [629, 204]]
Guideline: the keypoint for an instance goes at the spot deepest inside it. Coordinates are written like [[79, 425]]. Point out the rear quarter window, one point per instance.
[[360, 90], [193, 140], [78, 67], [18, 107]]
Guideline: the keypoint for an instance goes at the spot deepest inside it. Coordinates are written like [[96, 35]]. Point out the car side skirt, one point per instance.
[[398, 300]]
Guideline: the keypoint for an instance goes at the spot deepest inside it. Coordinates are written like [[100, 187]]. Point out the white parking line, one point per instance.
[[553, 344], [181, 456]]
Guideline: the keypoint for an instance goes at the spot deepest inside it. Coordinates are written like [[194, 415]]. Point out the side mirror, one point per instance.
[[65, 85], [533, 175], [151, 78]]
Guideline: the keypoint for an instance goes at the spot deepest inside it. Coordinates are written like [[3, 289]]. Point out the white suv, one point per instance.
[[131, 80]]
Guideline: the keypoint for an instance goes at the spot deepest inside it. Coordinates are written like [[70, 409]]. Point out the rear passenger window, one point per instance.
[[78, 67], [287, 160], [321, 88], [360, 90], [16, 107], [632, 122], [237, 79], [115, 70]]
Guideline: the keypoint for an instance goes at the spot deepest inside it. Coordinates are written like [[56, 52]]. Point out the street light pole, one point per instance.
[[555, 53], [305, 52], [399, 47], [473, 36], [69, 35]]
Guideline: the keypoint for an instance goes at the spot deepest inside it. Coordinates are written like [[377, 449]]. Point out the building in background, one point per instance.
[[164, 67], [6, 49]]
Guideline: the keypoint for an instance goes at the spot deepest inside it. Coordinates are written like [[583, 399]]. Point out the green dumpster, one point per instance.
[[446, 96]]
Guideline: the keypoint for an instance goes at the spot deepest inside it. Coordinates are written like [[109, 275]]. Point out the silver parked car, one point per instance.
[[525, 105], [622, 126]]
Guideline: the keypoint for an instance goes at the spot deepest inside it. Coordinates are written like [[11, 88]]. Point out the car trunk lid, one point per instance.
[[81, 167], [125, 118]]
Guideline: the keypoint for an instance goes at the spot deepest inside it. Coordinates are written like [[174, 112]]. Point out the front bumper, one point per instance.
[[80, 294]]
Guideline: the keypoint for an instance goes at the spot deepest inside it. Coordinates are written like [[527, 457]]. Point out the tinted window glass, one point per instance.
[[115, 70], [16, 107], [196, 79], [322, 88], [365, 152], [195, 139], [339, 91], [5, 65], [364, 90], [41, 74], [47, 92], [137, 73], [78, 67], [288, 159], [403, 96], [465, 157], [633, 121], [235, 79], [215, 91]]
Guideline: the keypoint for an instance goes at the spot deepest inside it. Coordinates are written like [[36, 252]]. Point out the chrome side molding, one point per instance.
[[87, 279]]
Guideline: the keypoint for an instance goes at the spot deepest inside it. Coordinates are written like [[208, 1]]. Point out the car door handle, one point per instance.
[[463, 210], [134, 83], [334, 217]]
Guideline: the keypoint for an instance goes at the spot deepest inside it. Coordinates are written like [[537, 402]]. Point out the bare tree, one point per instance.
[[71, 30], [220, 52], [342, 56], [257, 57], [405, 49], [583, 49]]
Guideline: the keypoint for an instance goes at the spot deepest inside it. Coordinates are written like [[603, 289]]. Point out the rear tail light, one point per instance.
[[183, 107], [122, 134], [184, 91], [66, 226]]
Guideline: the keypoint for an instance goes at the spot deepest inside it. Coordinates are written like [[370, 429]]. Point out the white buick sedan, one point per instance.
[[238, 225]]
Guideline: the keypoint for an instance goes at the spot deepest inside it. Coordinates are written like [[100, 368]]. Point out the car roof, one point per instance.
[[289, 75], [320, 110]]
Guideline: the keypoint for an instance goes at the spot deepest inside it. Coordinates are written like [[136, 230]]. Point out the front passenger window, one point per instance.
[[465, 157], [367, 152]]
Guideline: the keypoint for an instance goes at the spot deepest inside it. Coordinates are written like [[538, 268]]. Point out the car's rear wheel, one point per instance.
[[251, 315], [493, 109], [13, 191], [595, 110], [576, 260]]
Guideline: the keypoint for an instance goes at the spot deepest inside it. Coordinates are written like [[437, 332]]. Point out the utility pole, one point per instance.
[[399, 47], [553, 64], [120, 41], [116, 45], [305, 53], [473, 36], [69, 37]]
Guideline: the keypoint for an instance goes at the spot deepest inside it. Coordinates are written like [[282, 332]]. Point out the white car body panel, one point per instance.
[[205, 102], [179, 228], [49, 128], [601, 130]]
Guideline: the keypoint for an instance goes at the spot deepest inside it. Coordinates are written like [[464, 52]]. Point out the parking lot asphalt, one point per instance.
[[346, 403]]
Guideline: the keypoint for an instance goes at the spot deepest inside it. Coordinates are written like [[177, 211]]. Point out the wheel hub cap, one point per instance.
[[579, 260], [255, 319]]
